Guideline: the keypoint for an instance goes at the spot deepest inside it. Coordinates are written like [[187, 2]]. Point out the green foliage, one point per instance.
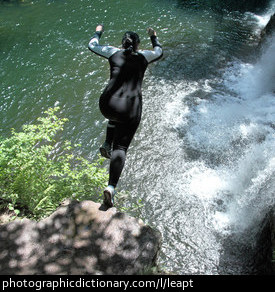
[[38, 173], [126, 205]]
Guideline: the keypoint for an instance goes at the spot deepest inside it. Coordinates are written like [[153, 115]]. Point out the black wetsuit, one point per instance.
[[121, 101]]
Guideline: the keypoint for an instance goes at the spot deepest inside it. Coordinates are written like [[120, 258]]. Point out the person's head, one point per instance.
[[130, 42]]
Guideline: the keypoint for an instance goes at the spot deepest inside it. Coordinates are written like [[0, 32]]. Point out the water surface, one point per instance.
[[203, 158]]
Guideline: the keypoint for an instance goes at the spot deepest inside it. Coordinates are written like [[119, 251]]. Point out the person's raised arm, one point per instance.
[[94, 46], [157, 53]]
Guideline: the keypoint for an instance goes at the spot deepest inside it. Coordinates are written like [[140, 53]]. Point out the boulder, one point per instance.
[[268, 31], [270, 27], [249, 252], [273, 241], [78, 238]]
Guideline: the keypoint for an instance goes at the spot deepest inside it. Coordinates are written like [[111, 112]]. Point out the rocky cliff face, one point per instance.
[[244, 5], [250, 251], [79, 238], [273, 241], [270, 27], [231, 5]]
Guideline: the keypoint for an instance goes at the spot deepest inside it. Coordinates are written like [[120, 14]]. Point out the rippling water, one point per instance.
[[203, 158]]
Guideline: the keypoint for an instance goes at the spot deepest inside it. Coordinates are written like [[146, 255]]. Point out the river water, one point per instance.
[[202, 161]]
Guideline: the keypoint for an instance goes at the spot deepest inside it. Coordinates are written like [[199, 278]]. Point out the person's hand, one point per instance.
[[151, 32], [99, 28]]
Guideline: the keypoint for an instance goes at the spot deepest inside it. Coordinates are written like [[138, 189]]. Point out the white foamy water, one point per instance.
[[204, 159], [234, 133]]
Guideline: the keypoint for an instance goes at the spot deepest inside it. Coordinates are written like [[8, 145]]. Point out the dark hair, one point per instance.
[[130, 42]]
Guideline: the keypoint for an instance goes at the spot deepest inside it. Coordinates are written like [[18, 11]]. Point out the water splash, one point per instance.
[[234, 133], [213, 174]]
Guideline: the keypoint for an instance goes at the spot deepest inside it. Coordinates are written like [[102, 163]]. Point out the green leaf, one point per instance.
[[39, 170]]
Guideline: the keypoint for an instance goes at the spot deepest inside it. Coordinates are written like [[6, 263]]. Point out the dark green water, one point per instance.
[[203, 155]]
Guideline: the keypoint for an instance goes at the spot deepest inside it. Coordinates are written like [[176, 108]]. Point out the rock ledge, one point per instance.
[[78, 238]]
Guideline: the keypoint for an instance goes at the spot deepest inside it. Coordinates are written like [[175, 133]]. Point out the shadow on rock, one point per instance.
[[79, 238]]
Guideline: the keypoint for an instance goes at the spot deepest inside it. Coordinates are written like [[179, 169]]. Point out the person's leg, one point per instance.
[[123, 136], [110, 132], [124, 133], [117, 164], [106, 148]]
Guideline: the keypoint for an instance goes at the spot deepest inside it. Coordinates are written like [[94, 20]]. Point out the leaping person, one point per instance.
[[121, 100]]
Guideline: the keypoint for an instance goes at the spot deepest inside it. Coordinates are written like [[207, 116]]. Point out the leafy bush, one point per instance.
[[37, 172]]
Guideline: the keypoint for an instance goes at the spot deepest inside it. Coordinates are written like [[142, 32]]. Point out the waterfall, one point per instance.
[[202, 161], [214, 172]]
